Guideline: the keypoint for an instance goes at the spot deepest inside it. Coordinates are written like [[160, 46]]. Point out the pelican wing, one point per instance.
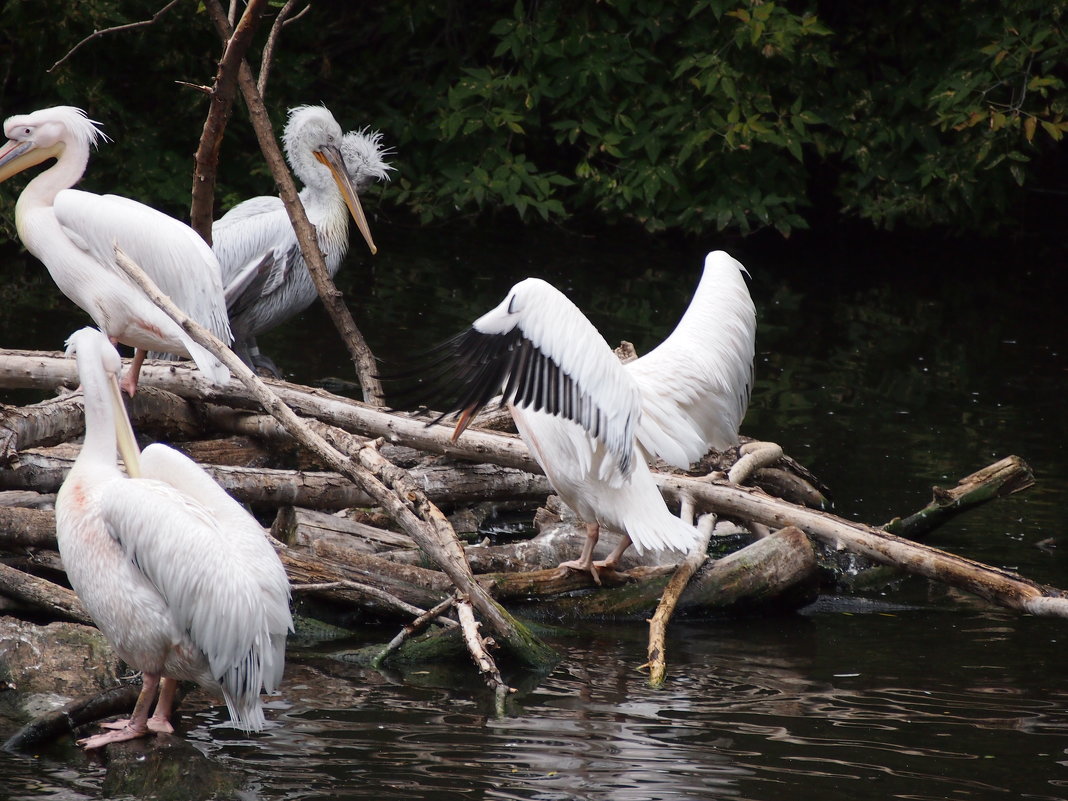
[[695, 385], [170, 252], [547, 357], [244, 535], [249, 231]]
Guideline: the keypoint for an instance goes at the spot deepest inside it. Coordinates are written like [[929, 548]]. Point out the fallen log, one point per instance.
[[999, 586], [43, 470], [42, 594], [31, 369], [777, 571], [26, 528]]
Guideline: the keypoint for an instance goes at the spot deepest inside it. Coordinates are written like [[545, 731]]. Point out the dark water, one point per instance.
[[887, 365]]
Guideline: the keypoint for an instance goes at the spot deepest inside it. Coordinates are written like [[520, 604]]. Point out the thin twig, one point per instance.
[[115, 29], [657, 663], [389, 599], [272, 39], [416, 626]]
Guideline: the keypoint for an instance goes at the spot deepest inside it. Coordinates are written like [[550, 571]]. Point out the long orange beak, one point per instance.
[[331, 158]]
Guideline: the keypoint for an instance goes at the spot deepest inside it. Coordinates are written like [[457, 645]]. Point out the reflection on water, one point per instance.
[[924, 703], [885, 383]]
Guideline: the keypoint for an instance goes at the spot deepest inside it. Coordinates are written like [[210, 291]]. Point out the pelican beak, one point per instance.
[[131, 454], [466, 417], [331, 158], [18, 156]]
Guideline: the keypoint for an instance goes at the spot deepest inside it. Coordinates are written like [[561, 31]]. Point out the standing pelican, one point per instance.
[[695, 384], [176, 574], [75, 233], [333, 169], [574, 405]]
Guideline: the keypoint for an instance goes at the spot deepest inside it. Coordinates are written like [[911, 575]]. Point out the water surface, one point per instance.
[[886, 364]]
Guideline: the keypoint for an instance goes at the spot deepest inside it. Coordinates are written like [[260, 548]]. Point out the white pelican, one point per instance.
[[74, 233], [333, 169], [577, 408], [177, 575]]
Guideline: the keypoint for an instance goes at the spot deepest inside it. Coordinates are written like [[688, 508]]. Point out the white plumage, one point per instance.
[[591, 421], [74, 234], [333, 168], [574, 405], [695, 385], [176, 574]]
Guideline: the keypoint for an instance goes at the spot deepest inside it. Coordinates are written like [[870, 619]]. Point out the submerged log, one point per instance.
[[1005, 477], [1000, 586]]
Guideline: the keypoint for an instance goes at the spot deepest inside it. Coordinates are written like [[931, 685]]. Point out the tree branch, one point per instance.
[[129, 26], [206, 161], [267, 59]]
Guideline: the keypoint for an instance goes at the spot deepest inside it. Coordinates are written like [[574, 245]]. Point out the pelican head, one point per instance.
[[44, 134], [312, 137], [365, 158], [99, 366]]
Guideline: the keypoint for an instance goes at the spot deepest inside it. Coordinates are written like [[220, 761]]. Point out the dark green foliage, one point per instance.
[[713, 115]]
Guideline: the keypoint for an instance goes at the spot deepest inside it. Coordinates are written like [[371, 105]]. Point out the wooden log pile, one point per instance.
[[392, 571]]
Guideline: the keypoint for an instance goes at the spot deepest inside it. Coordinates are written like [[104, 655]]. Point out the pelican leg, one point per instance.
[[136, 726], [614, 557], [160, 722], [128, 384], [585, 561]]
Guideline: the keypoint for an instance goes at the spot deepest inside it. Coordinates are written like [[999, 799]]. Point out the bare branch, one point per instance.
[[657, 663], [223, 93], [272, 40], [115, 29], [388, 598]]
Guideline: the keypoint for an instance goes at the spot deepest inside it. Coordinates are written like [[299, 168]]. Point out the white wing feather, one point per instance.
[[245, 536], [249, 230], [554, 325], [170, 252], [695, 385]]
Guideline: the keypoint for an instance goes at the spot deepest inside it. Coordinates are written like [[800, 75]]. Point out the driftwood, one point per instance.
[[446, 485], [42, 594], [1005, 477], [388, 573], [697, 556]]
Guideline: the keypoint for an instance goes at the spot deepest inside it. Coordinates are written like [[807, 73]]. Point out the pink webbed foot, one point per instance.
[[155, 724], [583, 567], [127, 732]]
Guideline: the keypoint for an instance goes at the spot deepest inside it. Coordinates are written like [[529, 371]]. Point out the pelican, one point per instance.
[[576, 407], [180, 579], [74, 234], [334, 169]]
